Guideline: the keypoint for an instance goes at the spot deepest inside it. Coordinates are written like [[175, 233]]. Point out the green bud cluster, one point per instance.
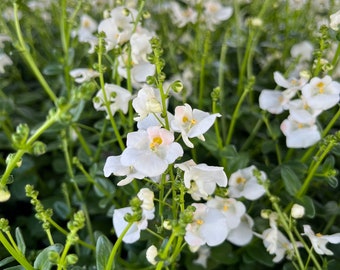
[[20, 136], [4, 225], [41, 214], [75, 225], [137, 211]]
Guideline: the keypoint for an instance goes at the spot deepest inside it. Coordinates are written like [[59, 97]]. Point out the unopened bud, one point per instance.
[[71, 259], [4, 194], [177, 86], [167, 225], [298, 211], [151, 254]]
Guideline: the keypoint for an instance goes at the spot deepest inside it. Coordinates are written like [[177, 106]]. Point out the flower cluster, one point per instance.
[[314, 97]]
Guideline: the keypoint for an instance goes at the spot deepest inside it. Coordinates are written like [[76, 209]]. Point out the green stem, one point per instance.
[[65, 41], [274, 138], [165, 252], [334, 119], [28, 57], [283, 221], [236, 114], [78, 192], [61, 263], [64, 232], [111, 259], [106, 101], [221, 70], [309, 250], [18, 256], [335, 59], [319, 157], [202, 69], [18, 155]]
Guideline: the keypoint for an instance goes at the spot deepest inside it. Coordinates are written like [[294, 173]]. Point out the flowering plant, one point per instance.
[[169, 134]]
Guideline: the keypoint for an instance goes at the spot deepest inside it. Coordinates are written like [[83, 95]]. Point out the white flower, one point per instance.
[[232, 209], [4, 61], [303, 51], [87, 27], [208, 227], [151, 254], [148, 101], [140, 45], [118, 28], [276, 244], [243, 183], [139, 71], [81, 75], [321, 93], [292, 83], [151, 151], [133, 234], [319, 241], [182, 17], [192, 123], [117, 96], [114, 166], [335, 21], [299, 135], [275, 101], [243, 233], [201, 179], [215, 13], [297, 211], [302, 112]]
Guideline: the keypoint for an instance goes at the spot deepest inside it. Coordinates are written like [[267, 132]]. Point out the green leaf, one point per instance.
[[17, 267], [103, 250], [257, 251], [61, 209], [42, 261], [235, 160], [308, 204], [53, 69], [6, 261], [224, 254], [104, 187], [20, 240], [291, 180]]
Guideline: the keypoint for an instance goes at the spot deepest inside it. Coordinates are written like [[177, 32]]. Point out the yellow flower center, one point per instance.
[[225, 208], [185, 119], [199, 221], [318, 234], [86, 23], [321, 87], [240, 180], [156, 141]]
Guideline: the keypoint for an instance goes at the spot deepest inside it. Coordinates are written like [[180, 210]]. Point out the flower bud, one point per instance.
[[265, 213], [71, 259], [38, 148], [53, 256], [4, 194], [151, 254], [146, 195], [177, 86], [298, 211], [167, 225]]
